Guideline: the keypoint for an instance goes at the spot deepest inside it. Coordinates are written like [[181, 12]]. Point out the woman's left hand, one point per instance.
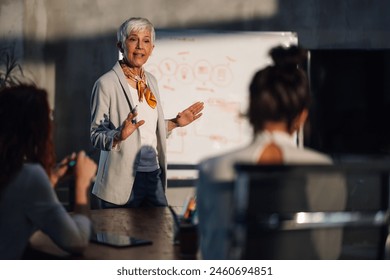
[[190, 114]]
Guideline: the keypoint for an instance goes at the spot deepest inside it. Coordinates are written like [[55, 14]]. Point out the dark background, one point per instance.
[[350, 112]]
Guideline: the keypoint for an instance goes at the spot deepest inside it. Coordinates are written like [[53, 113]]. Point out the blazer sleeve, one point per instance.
[[102, 130]]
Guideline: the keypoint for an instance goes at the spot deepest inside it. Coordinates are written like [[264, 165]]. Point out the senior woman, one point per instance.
[[128, 125]]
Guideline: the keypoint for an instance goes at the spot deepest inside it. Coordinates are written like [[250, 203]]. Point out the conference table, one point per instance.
[[155, 224]]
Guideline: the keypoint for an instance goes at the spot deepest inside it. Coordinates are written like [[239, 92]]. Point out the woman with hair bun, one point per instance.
[[279, 101]]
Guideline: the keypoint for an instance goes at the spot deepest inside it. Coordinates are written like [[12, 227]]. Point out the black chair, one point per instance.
[[311, 211]]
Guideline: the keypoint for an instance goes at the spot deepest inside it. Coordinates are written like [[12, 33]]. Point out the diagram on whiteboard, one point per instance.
[[215, 68]]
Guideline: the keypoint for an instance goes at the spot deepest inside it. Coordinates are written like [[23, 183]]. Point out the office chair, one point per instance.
[[310, 211]]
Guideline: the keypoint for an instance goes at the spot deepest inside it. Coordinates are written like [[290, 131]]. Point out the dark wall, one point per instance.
[[54, 33], [333, 24], [323, 23], [351, 108]]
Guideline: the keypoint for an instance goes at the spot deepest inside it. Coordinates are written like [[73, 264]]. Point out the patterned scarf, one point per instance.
[[142, 87]]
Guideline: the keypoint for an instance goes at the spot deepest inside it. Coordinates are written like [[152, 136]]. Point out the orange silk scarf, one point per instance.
[[142, 88]]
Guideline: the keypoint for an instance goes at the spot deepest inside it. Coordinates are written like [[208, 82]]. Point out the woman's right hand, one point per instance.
[[128, 127]]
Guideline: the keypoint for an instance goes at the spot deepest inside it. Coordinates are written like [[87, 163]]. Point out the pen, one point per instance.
[[134, 110], [190, 210], [70, 163]]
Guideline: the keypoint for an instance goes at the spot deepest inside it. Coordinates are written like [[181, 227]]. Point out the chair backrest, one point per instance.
[[310, 211]]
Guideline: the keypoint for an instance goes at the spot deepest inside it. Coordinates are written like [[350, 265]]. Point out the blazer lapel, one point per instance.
[[125, 86]]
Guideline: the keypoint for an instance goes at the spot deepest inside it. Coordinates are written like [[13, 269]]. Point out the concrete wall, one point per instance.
[[64, 46]]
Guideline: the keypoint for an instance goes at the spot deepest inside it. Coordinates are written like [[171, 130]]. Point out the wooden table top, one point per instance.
[[155, 224]]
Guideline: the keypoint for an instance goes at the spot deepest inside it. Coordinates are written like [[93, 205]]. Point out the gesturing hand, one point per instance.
[[128, 127], [190, 114]]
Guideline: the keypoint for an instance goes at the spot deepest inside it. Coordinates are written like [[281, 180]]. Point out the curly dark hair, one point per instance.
[[26, 134], [279, 92]]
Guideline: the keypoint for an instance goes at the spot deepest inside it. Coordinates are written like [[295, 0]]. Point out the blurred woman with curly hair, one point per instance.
[[28, 201]]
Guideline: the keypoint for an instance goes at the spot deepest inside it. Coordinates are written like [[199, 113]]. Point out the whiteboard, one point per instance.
[[215, 68]]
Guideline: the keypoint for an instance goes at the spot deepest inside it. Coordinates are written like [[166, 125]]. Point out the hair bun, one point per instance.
[[288, 57]]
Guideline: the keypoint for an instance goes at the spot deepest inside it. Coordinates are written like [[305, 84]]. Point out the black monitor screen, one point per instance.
[[350, 113]]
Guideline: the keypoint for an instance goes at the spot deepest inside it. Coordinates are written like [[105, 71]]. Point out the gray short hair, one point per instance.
[[134, 24]]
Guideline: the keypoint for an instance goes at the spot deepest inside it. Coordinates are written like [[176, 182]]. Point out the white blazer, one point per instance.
[[109, 108]]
